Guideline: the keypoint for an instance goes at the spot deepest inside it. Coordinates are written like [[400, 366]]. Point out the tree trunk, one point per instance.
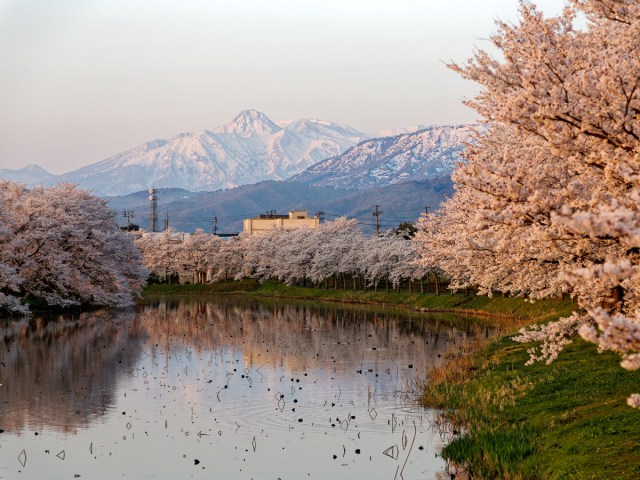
[[618, 297], [437, 284]]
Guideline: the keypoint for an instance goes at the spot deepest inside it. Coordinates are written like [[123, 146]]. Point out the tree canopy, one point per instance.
[[548, 200], [62, 246]]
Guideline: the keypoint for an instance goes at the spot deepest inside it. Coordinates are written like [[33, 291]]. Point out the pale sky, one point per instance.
[[81, 80]]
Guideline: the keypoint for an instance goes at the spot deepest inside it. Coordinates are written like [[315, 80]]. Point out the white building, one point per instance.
[[295, 219]]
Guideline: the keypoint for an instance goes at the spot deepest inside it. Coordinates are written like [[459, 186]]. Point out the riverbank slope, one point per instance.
[[503, 308]]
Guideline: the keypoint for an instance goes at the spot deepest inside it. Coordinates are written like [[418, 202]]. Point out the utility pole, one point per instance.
[[426, 210], [153, 204], [128, 214], [376, 213], [320, 215], [166, 221], [214, 223]]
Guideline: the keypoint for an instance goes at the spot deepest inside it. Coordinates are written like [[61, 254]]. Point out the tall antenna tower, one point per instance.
[[153, 203]]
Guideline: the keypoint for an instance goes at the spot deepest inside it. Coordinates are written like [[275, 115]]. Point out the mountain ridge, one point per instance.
[[420, 155], [248, 149], [251, 148]]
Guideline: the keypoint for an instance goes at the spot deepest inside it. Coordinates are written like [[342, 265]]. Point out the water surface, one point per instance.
[[221, 388]]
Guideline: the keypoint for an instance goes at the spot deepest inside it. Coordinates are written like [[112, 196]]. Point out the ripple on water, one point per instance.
[[260, 392]]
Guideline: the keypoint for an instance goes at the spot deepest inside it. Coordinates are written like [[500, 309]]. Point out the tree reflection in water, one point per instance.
[[210, 366], [60, 372]]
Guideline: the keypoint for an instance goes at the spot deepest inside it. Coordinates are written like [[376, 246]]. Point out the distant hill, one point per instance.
[[190, 210], [416, 156], [31, 175], [401, 202]]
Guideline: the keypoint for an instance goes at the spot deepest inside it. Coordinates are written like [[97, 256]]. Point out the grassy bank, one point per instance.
[[503, 308], [567, 420], [241, 286]]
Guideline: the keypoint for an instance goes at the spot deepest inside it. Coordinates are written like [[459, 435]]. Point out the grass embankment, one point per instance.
[[241, 286], [513, 309], [567, 420]]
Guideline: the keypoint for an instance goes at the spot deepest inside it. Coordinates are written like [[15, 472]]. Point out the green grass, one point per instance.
[[473, 305], [567, 420]]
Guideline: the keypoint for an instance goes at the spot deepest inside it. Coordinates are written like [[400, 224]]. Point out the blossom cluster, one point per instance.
[[547, 200], [62, 246]]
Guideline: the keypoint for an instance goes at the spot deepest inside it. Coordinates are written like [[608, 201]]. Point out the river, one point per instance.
[[222, 388]]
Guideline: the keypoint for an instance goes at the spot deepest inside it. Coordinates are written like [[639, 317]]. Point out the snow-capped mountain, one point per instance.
[[425, 154], [249, 149], [392, 132]]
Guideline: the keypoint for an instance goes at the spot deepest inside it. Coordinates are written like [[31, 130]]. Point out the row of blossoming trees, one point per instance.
[[336, 255], [548, 200], [61, 246]]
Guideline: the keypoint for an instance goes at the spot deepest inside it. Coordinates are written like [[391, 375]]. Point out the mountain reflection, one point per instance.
[[62, 373]]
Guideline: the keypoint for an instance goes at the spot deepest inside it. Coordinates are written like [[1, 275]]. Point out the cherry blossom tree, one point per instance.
[[337, 251], [229, 259], [495, 233], [548, 201], [197, 254], [160, 251], [261, 251], [10, 281], [62, 246]]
